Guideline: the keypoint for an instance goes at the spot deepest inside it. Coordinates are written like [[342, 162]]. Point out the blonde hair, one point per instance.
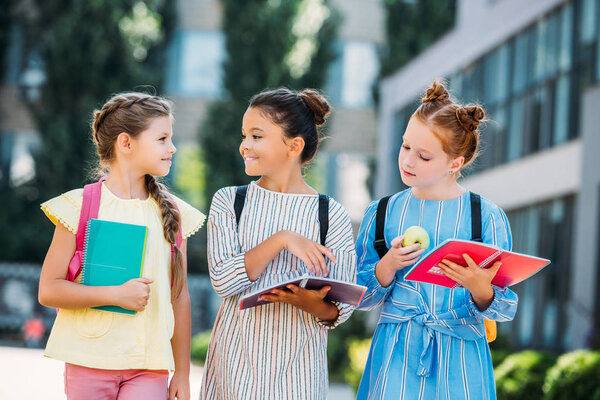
[[455, 125], [132, 113]]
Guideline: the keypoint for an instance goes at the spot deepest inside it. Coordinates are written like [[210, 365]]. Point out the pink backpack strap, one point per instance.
[[89, 209]]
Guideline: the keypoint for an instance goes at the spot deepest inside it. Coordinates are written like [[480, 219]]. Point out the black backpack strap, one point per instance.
[[379, 243], [323, 216], [240, 200], [476, 217]]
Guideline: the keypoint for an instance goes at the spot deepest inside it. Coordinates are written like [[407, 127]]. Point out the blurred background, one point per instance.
[[534, 66]]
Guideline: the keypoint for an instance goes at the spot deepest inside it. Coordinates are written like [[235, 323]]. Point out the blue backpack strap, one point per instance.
[[240, 200], [379, 242], [476, 217], [323, 217]]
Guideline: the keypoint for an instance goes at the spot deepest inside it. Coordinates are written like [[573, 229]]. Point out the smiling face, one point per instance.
[[264, 147], [152, 149], [422, 160]]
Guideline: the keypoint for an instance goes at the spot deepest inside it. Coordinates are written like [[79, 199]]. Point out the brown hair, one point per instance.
[[297, 113], [132, 113], [455, 125]]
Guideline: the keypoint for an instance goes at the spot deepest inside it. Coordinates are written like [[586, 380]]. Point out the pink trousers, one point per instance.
[[82, 383]]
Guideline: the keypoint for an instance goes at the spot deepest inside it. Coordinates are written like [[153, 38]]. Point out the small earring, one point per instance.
[[450, 172]]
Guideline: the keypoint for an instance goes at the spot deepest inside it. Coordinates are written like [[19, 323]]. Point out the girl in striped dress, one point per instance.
[[430, 342], [278, 350]]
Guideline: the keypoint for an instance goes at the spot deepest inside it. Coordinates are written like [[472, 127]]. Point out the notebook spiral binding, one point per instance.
[[85, 252]]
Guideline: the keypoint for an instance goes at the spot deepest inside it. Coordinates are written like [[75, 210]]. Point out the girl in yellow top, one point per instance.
[[110, 355]]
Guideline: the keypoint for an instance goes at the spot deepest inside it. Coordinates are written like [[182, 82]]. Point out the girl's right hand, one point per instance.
[[309, 251], [399, 257], [134, 294]]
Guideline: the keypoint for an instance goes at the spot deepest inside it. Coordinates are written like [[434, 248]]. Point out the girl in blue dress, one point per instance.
[[430, 342]]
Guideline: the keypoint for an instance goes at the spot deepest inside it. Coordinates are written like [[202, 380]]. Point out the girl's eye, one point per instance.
[[255, 137], [405, 147], [425, 159], [163, 138]]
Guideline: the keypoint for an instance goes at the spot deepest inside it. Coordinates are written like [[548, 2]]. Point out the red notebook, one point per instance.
[[515, 267], [341, 291]]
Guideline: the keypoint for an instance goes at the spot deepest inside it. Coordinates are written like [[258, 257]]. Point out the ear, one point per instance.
[[295, 146], [457, 163], [123, 143]]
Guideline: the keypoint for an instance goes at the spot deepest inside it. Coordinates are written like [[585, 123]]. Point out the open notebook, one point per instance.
[[515, 267], [341, 291]]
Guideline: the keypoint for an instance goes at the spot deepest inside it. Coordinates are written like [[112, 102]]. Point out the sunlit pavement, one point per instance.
[[25, 374]]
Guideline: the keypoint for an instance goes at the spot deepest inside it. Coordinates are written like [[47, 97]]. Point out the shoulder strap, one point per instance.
[[379, 243], [323, 217], [89, 209], [240, 200], [476, 217]]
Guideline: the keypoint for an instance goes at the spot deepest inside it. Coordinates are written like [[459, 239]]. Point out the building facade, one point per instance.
[[534, 66]]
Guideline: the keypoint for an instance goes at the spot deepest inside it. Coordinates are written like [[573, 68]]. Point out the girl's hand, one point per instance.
[[179, 388], [399, 257], [311, 301], [309, 251], [134, 294], [478, 281]]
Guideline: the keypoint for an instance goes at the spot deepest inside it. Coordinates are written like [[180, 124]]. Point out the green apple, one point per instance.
[[416, 234]]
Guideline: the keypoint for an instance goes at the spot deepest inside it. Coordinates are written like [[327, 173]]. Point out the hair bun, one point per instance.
[[317, 103], [437, 92], [469, 117]]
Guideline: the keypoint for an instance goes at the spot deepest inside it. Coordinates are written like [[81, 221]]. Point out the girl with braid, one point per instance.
[[430, 342], [112, 355]]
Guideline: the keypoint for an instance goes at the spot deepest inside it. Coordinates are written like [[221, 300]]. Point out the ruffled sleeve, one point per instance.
[[191, 219], [65, 209], [496, 230], [367, 260]]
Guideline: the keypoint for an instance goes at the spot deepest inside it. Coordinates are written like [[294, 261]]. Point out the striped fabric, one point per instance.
[[275, 351], [430, 341]]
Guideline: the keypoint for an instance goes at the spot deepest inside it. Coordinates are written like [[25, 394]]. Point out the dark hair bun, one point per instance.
[[469, 117], [437, 92], [317, 103]]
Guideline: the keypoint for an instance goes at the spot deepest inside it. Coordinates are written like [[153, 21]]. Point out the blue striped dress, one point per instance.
[[430, 341], [275, 351]]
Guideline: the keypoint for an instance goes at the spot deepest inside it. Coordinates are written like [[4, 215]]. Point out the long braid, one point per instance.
[[171, 225]]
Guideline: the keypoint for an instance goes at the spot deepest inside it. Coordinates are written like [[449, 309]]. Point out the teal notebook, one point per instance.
[[114, 253]]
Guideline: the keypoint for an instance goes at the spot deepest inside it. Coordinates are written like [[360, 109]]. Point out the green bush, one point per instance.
[[521, 375], [498, 356], [358, 352], [575, 376], [200, 343]]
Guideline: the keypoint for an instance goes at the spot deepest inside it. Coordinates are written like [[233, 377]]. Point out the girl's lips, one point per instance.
[[405, 173]]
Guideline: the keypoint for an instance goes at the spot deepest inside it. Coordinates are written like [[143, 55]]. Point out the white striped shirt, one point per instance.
[[275, 351]]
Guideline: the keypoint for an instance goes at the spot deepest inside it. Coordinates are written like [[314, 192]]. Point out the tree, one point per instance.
[[269, 44], [89, 50], [411, 26]]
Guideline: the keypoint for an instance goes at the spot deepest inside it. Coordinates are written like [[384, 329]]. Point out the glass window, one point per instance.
[[196, 64], [566, 35], [335, 76], [520, 62], [587, 21], [360, 69], [515, 131], [561, 110]]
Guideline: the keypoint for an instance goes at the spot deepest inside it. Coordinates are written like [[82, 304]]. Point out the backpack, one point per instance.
[[382, 249], [89, 209], [240, 201]]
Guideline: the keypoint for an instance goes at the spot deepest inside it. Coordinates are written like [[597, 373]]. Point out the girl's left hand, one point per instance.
[[297, 296], [179, 388], [478, 281], [311, 301]]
